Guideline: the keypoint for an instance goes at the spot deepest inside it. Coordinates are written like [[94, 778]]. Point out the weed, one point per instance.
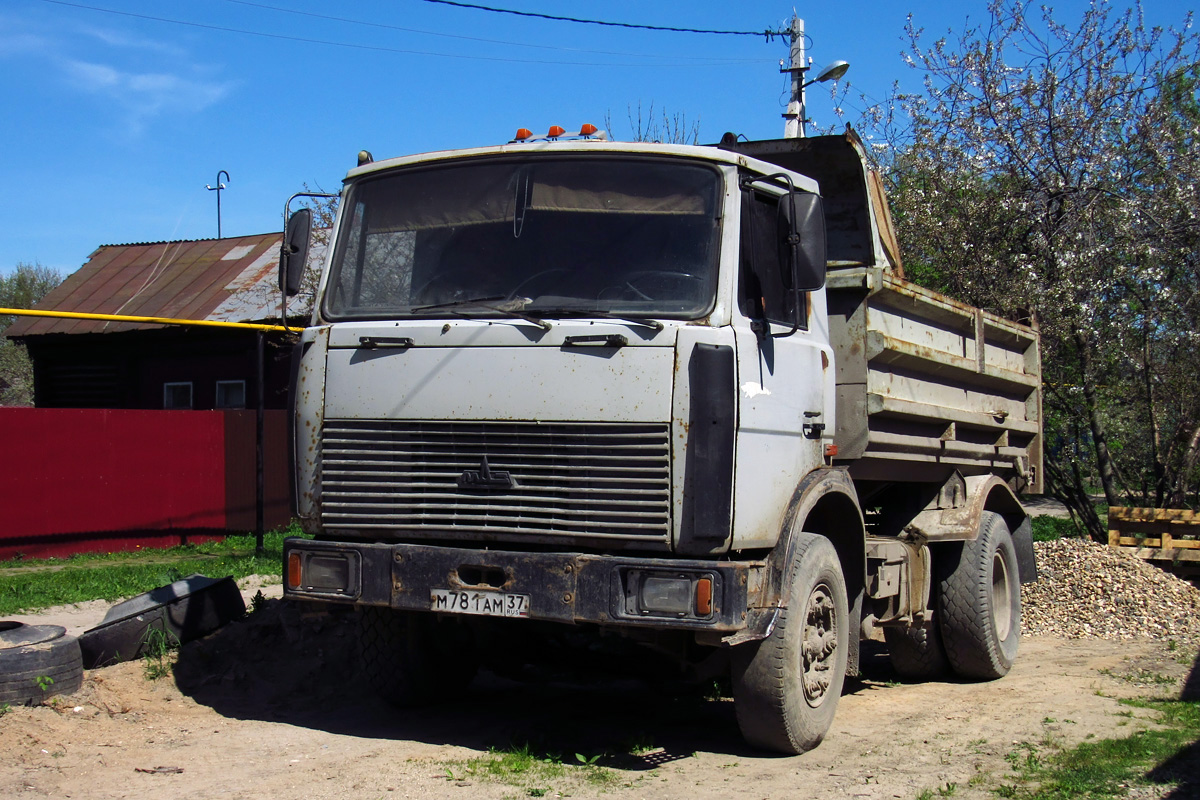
[[1108, 767], [158, 645], [44, 683], [528, 768], [1141, 677], [5, 708], [639, 745], [926, 794], [1025, 757], [718, 690], [257, 602]]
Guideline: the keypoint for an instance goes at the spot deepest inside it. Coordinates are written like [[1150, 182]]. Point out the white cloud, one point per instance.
[[127, 41], [145, 94], [130, 73]]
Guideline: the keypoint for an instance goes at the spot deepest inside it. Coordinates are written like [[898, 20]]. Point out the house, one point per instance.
[[105, 468], [96, 364]]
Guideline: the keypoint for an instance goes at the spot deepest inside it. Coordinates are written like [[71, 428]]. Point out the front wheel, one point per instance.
[[786, 687], [413, 659], [980, 602]]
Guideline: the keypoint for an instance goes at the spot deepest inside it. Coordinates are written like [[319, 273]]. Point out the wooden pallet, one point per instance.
[[1160, 535]]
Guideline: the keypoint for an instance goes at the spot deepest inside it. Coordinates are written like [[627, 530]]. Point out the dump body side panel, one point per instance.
[[928, 386]]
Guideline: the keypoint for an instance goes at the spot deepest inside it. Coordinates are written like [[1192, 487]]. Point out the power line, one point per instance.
[[354, 46], [387, 26], [769, 34]]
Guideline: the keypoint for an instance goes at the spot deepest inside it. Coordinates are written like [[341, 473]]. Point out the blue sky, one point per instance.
[[113, 120]]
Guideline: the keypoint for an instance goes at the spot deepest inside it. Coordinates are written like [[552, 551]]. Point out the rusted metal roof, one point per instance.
[[229, 280]]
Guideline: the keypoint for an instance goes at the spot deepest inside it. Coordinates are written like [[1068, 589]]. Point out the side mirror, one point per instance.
[[802, 241], [294, 251]]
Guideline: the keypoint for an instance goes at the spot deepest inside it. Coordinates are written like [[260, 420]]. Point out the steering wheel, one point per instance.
[[665, 278], [535, 276], [444, 287]]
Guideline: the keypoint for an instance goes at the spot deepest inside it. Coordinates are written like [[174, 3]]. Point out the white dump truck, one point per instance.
[[678, 394]]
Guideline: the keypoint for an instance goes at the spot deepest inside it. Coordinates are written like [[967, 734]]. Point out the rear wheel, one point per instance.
[[786, 687], [980, 601], [413, 659], [917, 653]]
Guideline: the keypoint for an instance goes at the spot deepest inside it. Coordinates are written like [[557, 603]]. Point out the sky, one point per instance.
[[115, 115]]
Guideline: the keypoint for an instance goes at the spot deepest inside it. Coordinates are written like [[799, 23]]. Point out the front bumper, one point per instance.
[[561, 587]]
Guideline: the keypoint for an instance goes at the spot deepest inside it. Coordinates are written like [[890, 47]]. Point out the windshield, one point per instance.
[[572, 234]]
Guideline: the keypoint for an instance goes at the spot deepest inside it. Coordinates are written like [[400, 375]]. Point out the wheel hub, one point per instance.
[[820, 644]]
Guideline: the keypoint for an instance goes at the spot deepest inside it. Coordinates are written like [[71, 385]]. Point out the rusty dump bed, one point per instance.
[[927, 385]]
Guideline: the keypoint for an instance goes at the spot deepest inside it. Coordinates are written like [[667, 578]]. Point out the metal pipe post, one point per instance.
[[260, 447]]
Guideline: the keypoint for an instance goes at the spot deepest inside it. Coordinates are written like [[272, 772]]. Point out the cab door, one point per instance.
[[784, 375]]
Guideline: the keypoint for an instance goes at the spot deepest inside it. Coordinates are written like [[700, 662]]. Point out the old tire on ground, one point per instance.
[[786, 687], [36, 662], [413, 659], [180, 612], [917, 653], [980, 601]]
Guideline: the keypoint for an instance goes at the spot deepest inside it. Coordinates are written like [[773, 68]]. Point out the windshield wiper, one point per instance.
[[598, 314], [511, 306]]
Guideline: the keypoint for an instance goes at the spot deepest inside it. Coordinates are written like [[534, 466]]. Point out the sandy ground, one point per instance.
[[270, 707]]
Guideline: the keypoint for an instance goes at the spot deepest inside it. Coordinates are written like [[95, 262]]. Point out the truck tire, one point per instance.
[[917, 653], [412, 659], [980, 602], [187, 609], [786, 687], [36, 662]]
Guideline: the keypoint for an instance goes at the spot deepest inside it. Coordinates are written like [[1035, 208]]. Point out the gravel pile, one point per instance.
[[1088, 590]]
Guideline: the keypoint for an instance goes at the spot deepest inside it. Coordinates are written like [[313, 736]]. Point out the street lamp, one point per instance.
[[218, 189], [794, 116]]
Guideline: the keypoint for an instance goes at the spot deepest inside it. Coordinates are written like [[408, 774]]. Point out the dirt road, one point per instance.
[[270, 707]]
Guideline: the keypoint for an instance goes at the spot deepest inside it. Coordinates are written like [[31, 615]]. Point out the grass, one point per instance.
[[32, 584], [527, 768], [1109, 767], [1047, 529]]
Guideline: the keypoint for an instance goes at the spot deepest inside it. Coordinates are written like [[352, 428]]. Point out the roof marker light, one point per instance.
[[587, 129], [556, 131], [523, 134]]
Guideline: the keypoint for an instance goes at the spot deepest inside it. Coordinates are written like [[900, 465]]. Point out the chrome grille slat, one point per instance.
[[591, 483]]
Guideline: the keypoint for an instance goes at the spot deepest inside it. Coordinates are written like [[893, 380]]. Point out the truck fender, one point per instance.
[[826, 503], [990, 493], [961, 523]]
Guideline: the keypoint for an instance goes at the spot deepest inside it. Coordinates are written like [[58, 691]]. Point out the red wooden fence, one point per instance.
[[74, 480]]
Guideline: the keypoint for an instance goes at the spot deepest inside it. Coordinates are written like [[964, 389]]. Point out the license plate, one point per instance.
[[487, 604]]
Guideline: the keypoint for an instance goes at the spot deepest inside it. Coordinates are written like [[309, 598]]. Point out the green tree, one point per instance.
[[28, 284], [1049, 171]]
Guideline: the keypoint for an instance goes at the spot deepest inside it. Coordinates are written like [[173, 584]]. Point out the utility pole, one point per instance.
[[798, 65], [218, 189], [793, 127]]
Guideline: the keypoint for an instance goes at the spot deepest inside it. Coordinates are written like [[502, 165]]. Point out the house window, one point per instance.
[[231, 394], [177, 395]]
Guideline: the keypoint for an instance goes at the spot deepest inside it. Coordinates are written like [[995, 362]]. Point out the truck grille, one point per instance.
[[597, 483]]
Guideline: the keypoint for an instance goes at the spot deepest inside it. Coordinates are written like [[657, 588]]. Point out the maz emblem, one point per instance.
[[485, 478]]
